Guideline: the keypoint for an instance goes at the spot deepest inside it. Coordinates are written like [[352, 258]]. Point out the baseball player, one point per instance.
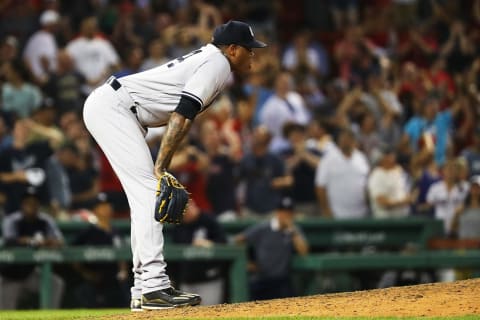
[[118, 113]]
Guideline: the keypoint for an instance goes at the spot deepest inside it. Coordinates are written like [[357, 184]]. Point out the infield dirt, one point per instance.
[[438, 299]]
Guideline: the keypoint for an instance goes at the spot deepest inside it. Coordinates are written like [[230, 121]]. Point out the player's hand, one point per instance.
[[171, 199]]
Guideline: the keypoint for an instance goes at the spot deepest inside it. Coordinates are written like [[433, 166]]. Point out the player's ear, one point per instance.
[[232, 50]]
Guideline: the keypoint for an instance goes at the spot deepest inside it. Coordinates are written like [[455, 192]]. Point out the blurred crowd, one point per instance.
[[356, 109], [366, 108]]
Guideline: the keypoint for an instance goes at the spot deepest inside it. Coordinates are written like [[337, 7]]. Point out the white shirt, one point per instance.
[[446, 202], [276, 112], [290, 58], [92, 58], [392, 184], [41, 44], [200, 75], [345, 181]]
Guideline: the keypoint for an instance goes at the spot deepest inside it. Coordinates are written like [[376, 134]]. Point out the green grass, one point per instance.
[[60, 314], [98, 314]]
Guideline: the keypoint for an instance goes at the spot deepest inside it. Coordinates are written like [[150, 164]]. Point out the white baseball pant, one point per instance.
[[114, 126]]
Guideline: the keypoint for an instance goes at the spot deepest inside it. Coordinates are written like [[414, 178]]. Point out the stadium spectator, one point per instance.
[[284, 106], [447, 196], [43, 127], [431, 129], [469, 219], [424, 172], [344, 13], [40, 51], [156, 55], [273, 242], [388, 187], [417, 45], [319, 135], [304, 55], [94, 57], [5, 135], [103, 285], [340, 172], [263, 176], [63, 85], [19, 97], [349, 50], [472, 154], [8, 50], [201, 230], [221, 172], [190, 166], [28, 227], [132, 61], [221, 112], [368, 136], [84, 182], [58, 180], [22, 165], [301, 160], [459, 49]]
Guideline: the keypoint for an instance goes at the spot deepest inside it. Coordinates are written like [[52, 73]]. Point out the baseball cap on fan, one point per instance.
[[49, 17], [236, 32]]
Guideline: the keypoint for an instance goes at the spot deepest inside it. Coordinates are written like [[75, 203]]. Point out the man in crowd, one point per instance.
[[28, 227], [274, 242]]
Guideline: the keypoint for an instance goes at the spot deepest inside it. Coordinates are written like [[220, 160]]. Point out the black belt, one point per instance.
[[134, 111], [113, 82]]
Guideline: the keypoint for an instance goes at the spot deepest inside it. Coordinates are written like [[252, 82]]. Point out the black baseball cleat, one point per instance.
[[136, 305], [169, 298]]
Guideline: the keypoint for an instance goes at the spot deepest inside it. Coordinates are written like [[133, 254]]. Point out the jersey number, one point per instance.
[[180, 59]]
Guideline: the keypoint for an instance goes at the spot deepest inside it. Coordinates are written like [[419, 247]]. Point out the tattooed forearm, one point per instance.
[[178, 127]]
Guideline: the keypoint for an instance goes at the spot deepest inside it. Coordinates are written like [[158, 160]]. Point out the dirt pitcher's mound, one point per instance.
[[439, 299]]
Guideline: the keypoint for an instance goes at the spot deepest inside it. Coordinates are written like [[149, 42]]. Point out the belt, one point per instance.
[[115, 84]]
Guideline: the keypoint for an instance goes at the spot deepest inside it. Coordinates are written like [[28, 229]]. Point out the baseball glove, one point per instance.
[[171, 199]]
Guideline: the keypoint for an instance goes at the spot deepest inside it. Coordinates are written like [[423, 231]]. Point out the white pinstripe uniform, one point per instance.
[[117, 113]]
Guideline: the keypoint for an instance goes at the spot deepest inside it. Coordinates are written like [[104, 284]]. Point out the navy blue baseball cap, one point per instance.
[[236, 32], [286, 203]]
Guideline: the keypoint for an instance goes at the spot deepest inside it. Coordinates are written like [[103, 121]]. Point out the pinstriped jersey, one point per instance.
[[201, 75]]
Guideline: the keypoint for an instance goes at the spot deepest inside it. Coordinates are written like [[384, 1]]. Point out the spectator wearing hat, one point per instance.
[[40, 53], [273, 243], [28, 227], [102, 284], [388, 188]]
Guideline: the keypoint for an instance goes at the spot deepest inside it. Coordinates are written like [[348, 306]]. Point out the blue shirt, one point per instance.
[[21, 101], [440, 128]]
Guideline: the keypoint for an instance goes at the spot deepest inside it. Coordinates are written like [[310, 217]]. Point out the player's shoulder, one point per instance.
[[214, 56]]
